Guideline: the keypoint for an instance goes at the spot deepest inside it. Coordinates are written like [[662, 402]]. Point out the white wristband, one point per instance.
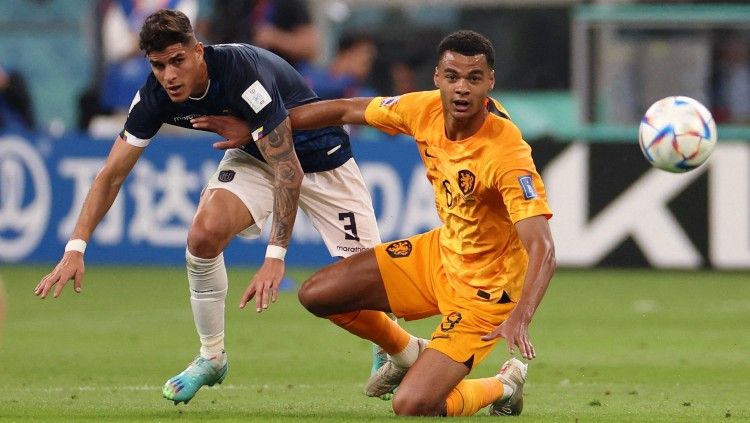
[[76, 245], [274, 251]]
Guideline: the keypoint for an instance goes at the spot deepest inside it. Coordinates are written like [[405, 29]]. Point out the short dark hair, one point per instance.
[[164, 28], [468, 43]]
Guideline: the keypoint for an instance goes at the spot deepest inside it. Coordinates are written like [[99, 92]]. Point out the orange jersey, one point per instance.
[[483, 185]]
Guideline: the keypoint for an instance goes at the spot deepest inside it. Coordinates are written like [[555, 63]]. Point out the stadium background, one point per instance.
[[578, 112], [575, 77]]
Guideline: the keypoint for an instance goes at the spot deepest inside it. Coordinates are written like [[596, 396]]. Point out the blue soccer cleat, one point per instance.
[[379, 358], [202, 371], [384, 382]]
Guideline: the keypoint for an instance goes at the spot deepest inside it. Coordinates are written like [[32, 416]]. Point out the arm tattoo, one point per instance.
[[278, 149]]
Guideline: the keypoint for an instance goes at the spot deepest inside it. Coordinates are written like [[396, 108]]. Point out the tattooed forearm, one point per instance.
[[275, 140], [278, 149]]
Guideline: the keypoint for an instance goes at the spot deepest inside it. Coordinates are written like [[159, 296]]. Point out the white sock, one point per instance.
[[507, 392], [208, 283], [407, 356]]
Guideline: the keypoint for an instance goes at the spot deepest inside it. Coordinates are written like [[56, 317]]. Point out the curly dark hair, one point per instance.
[[164, 28], [468, 43]]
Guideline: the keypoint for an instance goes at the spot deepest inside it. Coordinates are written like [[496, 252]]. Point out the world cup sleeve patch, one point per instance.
[[527, 185], [389, 101], [256, 96]]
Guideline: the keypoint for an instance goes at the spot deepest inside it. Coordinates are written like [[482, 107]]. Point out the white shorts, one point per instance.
[[336, 201]]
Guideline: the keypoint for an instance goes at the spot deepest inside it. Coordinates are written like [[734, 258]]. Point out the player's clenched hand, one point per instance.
[[515, 333], [69, 267], [235, 130], [265, 284]]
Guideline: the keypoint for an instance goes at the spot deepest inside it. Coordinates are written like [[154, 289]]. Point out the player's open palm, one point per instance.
[[70, 267], [264, 286], [516, 334]]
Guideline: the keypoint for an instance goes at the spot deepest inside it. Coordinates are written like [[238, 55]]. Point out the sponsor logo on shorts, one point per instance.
[[399, 249], [348, 249], [450, 321], [226, 175], [466, 181], [527, 185]]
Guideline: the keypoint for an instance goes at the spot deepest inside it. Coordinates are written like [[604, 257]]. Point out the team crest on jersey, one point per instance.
[[389, 101], [226, 175], [450, 321], [399, 249], [527, 185], [466, 182]]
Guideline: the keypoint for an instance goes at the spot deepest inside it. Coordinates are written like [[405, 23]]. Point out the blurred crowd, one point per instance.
[[285, 27], [345, 60]]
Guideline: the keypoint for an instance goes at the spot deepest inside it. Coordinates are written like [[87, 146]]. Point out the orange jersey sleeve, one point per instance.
[[515, 176], [400, 114]]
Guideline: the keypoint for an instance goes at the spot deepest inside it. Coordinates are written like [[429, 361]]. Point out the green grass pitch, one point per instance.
[[613, 346]]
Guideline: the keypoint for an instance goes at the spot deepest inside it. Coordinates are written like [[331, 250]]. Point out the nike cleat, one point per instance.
[[513, 373], [389, 376], [202, 371]]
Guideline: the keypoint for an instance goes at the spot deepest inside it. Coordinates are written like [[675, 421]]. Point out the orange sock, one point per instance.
[[471, 395], [375, 326]]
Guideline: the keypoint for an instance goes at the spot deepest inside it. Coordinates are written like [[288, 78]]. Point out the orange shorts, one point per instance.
[[417, 287]]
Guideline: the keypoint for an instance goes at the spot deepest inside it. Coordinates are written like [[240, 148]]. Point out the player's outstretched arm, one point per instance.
[[99, 199], [236, 132], [324, 113], [536, 237], [278, 149]]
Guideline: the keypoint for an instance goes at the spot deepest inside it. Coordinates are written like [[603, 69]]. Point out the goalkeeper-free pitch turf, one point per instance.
[[613, 346]]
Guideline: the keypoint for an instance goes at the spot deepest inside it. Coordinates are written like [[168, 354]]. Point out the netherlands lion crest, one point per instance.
[[399, 249], [466, 182]]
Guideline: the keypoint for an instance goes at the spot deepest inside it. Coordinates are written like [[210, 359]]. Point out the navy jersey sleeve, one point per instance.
[[258, 99], [142, 122]]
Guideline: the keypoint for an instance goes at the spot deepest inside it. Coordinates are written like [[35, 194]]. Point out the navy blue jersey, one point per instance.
[[252, 84]]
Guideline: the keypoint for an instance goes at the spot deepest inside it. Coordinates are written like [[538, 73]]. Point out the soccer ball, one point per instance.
[[677, 134]]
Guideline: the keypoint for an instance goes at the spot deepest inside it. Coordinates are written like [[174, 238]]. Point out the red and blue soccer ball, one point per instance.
[[677, 134]]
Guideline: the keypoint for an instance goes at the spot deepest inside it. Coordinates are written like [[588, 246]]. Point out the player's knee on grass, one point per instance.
[[415, 405]]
